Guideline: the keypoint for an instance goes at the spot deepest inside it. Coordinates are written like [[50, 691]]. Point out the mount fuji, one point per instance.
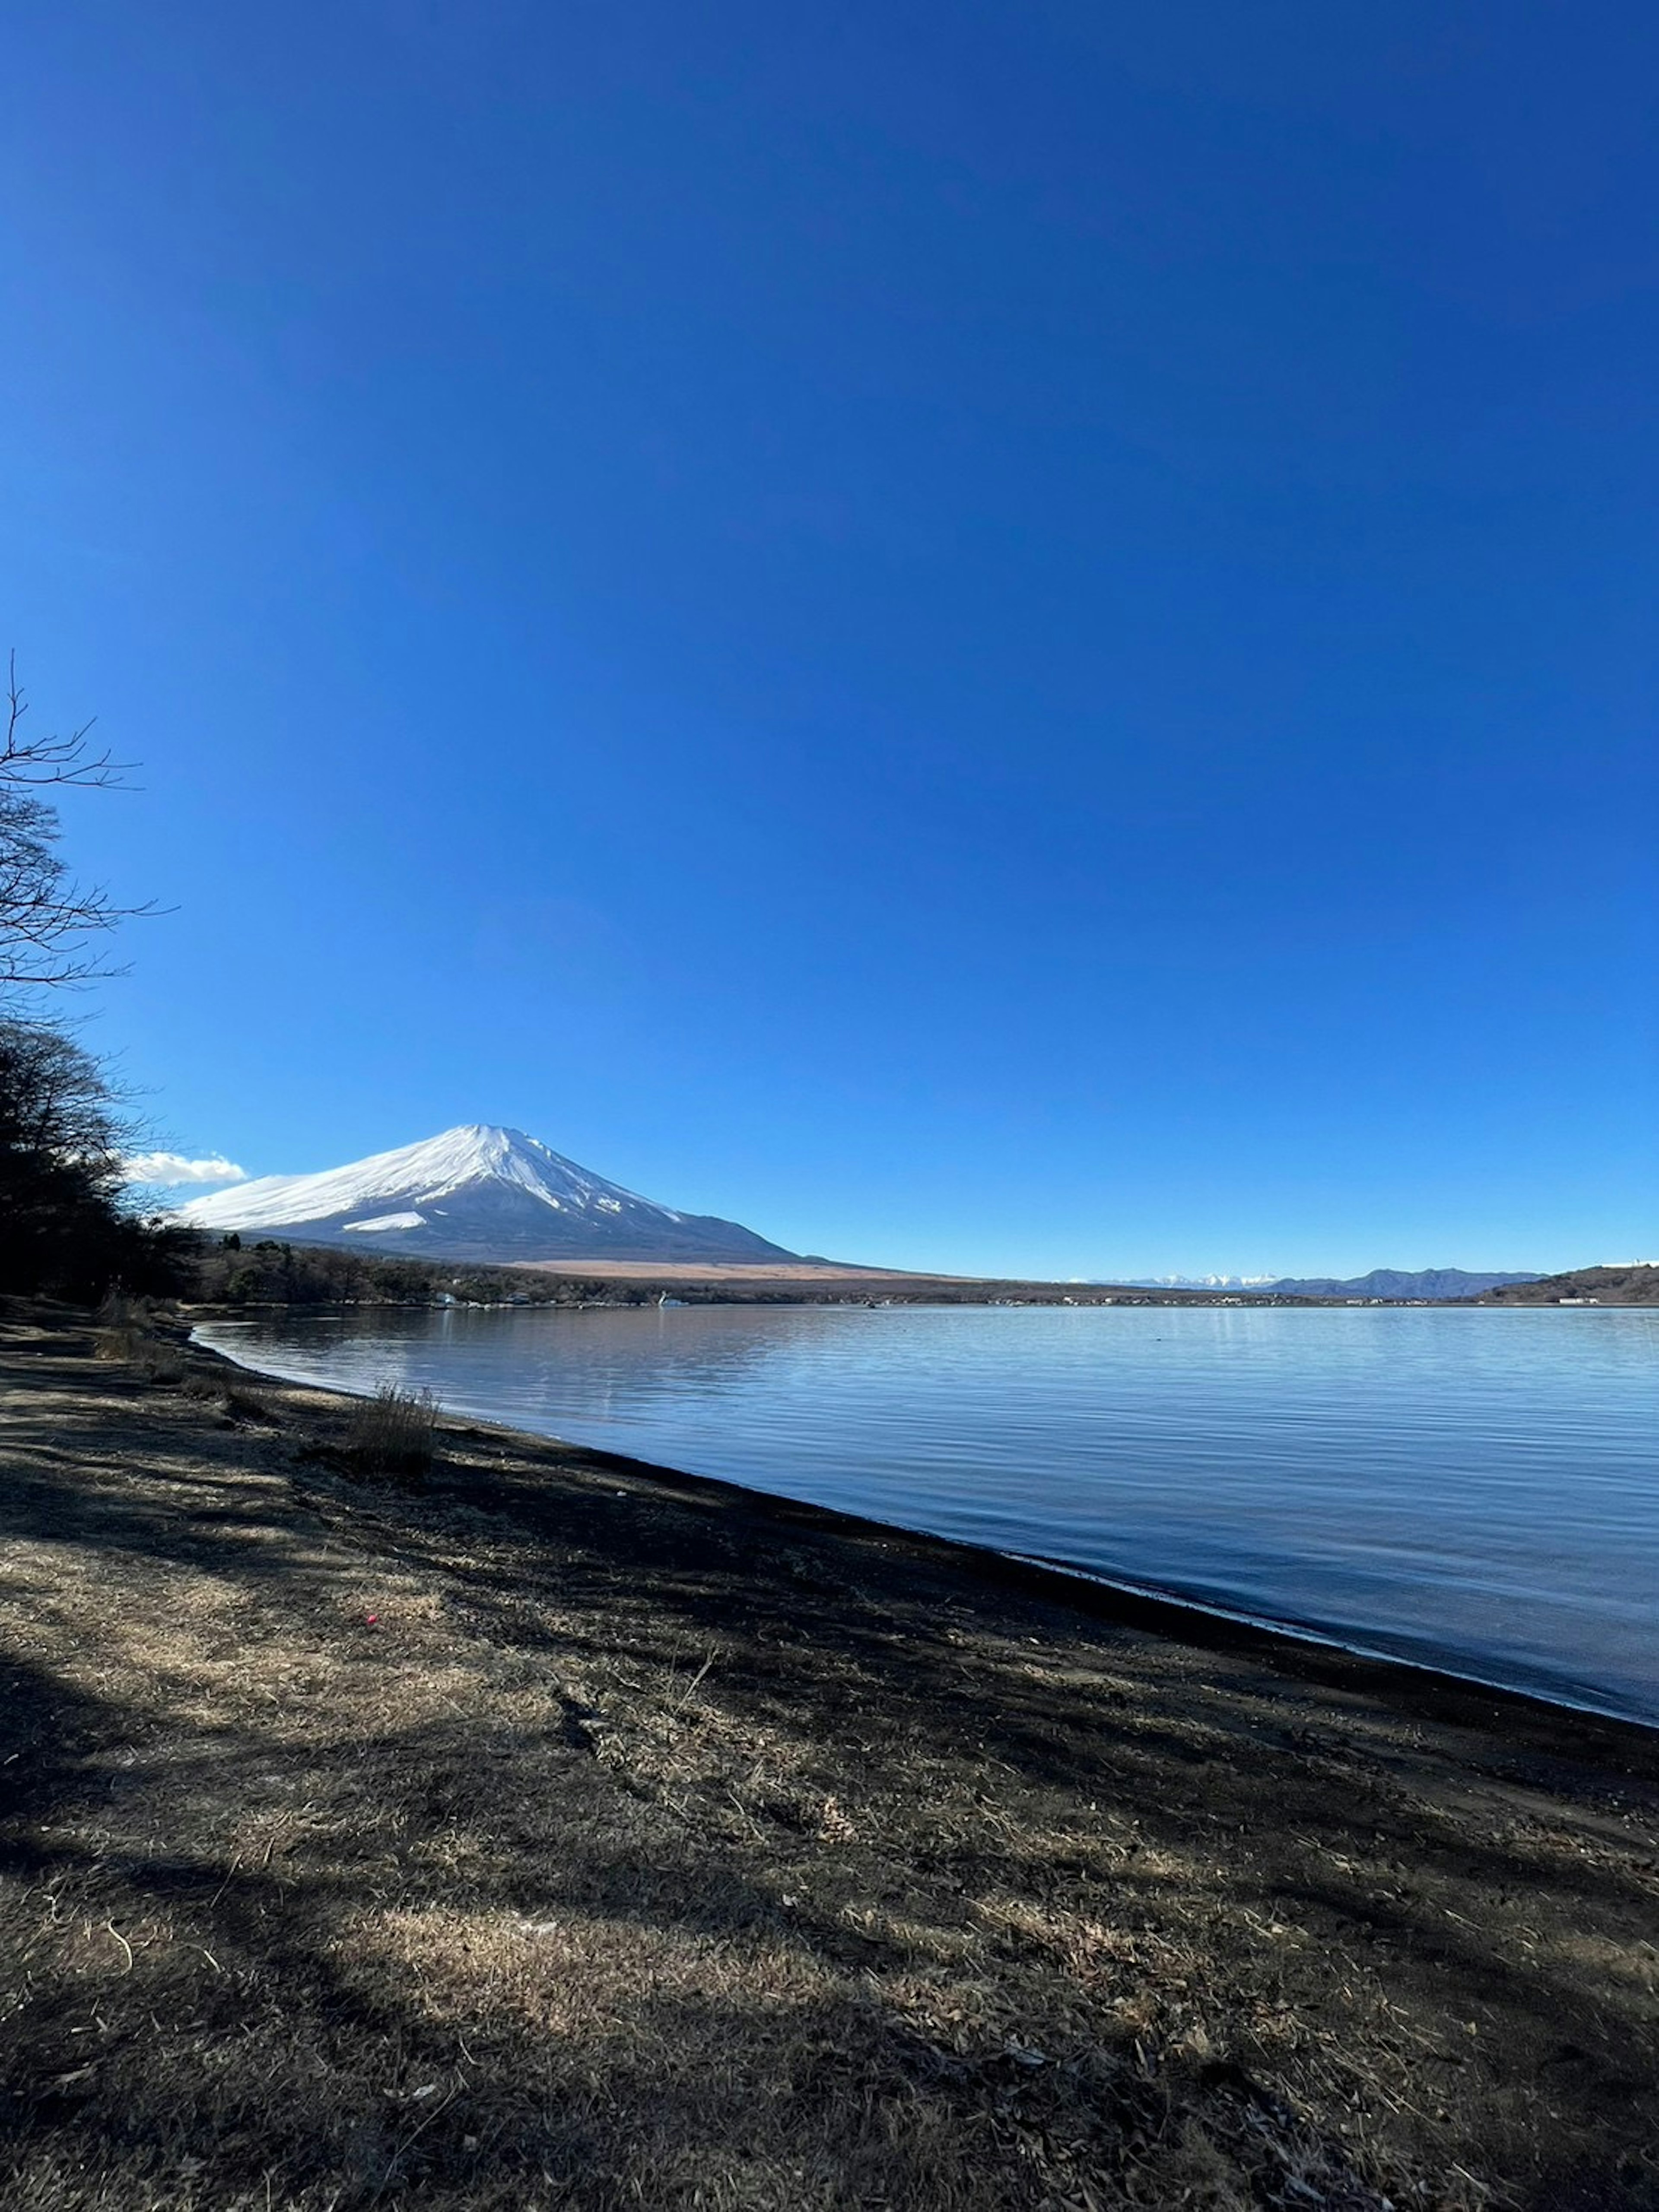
[[479, 1194]]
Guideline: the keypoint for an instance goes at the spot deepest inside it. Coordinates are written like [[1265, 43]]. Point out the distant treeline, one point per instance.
[[247, 1271], [242, 1270]]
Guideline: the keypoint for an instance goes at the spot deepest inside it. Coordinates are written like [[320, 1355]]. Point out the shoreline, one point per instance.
[[559, 1829], [623, 1290], [1167, 1612]]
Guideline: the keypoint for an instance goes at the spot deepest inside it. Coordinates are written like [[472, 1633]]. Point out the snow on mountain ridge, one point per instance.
[[478, 1191], [420, 1175]]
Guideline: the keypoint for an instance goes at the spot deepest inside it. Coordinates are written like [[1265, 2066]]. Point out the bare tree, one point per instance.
[[49, 923]]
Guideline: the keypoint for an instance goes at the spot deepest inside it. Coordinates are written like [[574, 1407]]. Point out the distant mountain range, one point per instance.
[[479, 1194], [1392, 1283]]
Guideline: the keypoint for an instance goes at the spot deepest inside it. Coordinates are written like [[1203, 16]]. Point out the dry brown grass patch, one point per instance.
[[394, 1432]]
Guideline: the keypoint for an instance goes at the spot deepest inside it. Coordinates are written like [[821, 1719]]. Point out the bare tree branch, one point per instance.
[[49, 922], [36, 761]]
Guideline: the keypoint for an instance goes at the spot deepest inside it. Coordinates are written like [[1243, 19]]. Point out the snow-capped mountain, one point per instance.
[[1196, 1282], [476, 1193]]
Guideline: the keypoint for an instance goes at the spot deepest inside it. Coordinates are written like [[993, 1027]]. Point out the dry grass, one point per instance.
[[243, 1401], [131, 1333], [119, 1342], [552, 1839], [394, 1432]]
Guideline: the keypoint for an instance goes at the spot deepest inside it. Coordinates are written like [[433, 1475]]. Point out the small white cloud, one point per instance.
[[174, 1168]]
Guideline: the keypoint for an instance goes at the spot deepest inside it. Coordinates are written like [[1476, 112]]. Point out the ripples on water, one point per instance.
[[1478, 1489]]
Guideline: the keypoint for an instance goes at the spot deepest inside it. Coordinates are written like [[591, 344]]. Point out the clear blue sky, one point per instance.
[[1010, 636]]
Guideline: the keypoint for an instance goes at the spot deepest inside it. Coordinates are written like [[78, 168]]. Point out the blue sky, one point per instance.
[[1010, 637]]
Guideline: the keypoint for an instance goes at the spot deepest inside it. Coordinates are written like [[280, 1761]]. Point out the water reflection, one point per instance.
[[1476, 1487]]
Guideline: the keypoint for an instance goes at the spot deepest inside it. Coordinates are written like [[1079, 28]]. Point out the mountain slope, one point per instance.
[[476, 1193], [1615, 1283], [1392, 1283]]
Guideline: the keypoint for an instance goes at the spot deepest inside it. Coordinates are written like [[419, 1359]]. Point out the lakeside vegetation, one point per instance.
[[67, 1229], [268, 1271]]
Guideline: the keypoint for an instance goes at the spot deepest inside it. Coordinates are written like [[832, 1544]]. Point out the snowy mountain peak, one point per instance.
[[480, 1191]]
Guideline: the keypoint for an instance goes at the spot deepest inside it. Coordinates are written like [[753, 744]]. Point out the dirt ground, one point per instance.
[[562, 1835]]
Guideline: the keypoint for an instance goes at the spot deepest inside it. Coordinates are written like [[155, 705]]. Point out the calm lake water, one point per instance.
[[1477, 1489]]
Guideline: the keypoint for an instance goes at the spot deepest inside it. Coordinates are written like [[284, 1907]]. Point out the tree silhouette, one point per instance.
[[49, 923], [63, 1223]]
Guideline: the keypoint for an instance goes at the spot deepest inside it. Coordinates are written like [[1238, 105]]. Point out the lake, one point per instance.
[[1474, 1489]]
